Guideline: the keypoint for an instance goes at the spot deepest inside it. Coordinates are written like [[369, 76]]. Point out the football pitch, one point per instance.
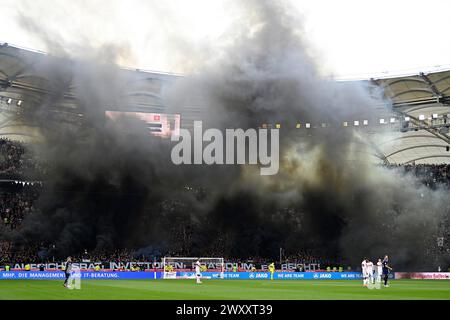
[[223, 290]]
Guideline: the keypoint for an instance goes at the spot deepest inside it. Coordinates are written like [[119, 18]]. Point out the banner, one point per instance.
[[49, 275], [126, 275], [423, 275], [145, 265]]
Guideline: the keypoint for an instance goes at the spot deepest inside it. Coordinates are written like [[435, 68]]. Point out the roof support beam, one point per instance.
[[428, 157], [418, 123], [378, 153], [416, 147], [431, 85]]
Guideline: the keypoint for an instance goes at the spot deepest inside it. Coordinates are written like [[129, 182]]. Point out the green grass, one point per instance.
[[222, 290]]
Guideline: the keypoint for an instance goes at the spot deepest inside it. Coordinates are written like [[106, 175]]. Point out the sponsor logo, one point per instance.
[[262, 275]]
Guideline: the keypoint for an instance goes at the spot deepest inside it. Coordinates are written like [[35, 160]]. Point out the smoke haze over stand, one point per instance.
[[111, 185]]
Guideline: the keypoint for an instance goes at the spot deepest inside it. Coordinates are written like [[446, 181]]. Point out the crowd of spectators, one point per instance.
[[16, 203], [9, 254], [17, 159], [44, 254], [105, 255], [10, 156], [5, 252], [304, 256], [431, 175], [18, 200]]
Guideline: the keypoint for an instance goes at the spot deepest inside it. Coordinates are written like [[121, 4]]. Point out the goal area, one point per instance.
[[175, 267]]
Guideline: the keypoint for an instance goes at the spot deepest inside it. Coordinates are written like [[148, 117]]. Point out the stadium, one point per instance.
[[361, 172]]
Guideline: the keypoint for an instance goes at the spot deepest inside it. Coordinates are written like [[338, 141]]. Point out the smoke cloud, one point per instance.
[[111, 185]]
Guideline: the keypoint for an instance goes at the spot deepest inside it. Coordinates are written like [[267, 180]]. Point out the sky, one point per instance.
[[348, 38]]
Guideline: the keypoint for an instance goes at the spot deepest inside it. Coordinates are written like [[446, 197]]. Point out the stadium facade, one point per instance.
[[415, 114]]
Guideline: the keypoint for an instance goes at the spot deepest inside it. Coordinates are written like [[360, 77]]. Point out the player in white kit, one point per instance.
[[379, 270], [198, 275], [369, 266], [364, 271]]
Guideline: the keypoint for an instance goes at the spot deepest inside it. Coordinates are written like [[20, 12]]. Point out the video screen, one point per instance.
[[159, 124]]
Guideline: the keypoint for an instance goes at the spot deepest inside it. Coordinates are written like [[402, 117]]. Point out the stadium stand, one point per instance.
[[18, 198], [16, 205], [420, 146]]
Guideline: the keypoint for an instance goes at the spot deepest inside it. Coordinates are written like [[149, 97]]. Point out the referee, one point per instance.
[[68, 270]]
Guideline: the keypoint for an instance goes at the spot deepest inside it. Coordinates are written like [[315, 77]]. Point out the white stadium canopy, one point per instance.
[[420, 103], [424, 100]]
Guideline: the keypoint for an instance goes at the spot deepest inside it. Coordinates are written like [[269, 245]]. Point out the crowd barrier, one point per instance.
[[99, 275]]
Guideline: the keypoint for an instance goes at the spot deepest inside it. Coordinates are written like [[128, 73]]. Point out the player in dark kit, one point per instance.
[[386, 270], [68, 270]]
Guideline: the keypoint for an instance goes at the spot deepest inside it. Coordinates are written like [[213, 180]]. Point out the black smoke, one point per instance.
[[112, 185]]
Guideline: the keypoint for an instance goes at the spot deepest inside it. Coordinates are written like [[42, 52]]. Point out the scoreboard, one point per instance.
[[158, 124]]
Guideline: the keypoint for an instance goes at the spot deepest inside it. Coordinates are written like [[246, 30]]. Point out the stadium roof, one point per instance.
[[424, 98]]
